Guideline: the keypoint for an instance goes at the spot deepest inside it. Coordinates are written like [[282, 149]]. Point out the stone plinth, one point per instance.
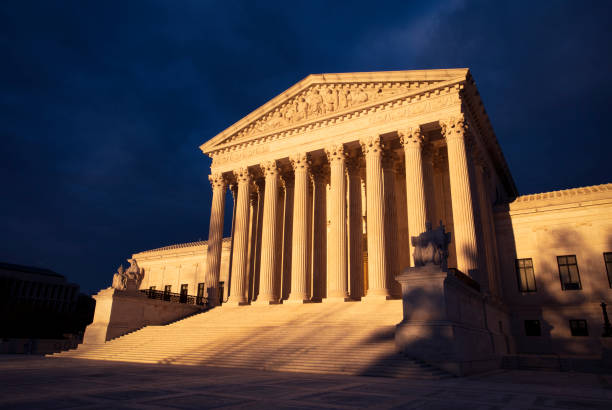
[[444, 322], [120, 312]]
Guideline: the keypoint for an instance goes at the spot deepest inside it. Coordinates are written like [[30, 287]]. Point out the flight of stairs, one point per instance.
[[353, 338]]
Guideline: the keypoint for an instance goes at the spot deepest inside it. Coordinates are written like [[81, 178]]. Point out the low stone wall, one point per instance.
[[121, 312], [446, 323]]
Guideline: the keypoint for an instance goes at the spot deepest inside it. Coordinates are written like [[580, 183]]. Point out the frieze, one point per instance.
[[324, 99], [410, 106], [238, 155]]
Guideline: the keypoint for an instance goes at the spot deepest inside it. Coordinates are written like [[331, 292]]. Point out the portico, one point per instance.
[[416, 141]]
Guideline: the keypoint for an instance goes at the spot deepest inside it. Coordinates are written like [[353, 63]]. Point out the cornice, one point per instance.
[[172, 249], [256, 143], [395, 78], [565, 196], [479, 119]]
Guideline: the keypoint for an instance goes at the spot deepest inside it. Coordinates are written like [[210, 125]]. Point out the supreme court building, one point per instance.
[[332, 178]]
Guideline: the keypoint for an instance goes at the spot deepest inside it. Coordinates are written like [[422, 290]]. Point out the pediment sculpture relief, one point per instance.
[[321, 100]]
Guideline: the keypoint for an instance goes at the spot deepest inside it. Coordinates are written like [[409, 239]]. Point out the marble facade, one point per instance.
[[373, 139], [331, 179]]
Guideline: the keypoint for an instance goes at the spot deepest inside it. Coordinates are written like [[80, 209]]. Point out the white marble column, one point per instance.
[[454, 131], [215, 238], [254, 202], [429, 186], [355, 226], [239, 292], [319, 251], [267, 275], [288, 183], [378, 287], [412, 140], [233, 186], [299, 249], [391, 225], [337, 275]]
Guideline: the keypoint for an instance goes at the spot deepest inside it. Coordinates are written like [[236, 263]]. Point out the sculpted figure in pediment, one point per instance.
[[359, 97], [330, 98], [314, 102]]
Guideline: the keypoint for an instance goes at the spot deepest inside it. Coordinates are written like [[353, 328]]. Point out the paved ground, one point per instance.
[[39, 383]]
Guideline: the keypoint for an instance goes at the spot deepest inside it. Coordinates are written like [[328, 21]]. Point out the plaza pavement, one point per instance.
[[50, 383]]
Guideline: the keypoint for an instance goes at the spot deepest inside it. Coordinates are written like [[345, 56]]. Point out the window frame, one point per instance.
[[518, 268], [533, 322], [566, 264], [576, 329]]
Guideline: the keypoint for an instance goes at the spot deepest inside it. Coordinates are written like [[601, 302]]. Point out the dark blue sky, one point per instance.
[[103, 104]]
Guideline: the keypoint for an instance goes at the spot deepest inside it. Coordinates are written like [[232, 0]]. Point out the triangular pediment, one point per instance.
[[320, 96]]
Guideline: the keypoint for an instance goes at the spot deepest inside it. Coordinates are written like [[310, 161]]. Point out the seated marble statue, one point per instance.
[[129, 279], [431, 247]]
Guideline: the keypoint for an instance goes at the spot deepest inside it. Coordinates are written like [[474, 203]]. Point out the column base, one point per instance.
[[296, 301], [338, 299], [236, 302], [259, 302]]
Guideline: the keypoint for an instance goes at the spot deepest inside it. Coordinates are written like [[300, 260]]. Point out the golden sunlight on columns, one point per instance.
[[377, 260], [337, 275], [285, 286], [319, 178], [353, 165], [412, 140], [454, 131], [215, 237], [239, 291], [267, 276], [391, 225], [299, 258]]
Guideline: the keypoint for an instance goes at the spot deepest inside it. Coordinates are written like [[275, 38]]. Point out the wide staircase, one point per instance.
[[353, 338]]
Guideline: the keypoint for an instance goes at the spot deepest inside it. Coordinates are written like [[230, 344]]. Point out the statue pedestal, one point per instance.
[[445, 322], [122, 311]]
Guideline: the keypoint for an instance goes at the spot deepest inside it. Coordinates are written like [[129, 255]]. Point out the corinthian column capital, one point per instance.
[[454, 127], [242, 175], [217, 180], [270, 168], [335, 153], [411, 137], [299, 161], [371, 144]]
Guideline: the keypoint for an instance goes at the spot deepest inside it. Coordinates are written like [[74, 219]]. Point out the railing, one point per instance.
[[175, 297]]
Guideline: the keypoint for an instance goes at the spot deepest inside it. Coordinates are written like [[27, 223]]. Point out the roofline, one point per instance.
[[368, 76]]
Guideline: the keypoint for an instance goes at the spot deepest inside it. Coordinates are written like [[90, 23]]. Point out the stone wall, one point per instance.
[[541, 227], [180, 264], [121, 312]]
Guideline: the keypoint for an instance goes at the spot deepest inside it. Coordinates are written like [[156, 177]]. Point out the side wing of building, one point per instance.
[[553, 249]]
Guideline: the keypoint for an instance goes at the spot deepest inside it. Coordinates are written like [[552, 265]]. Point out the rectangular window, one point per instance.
[[532, 328], [525, 275], [184, 290], [200, 296], [167, 291], [608, 262], [568, 272], [579, 327]]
